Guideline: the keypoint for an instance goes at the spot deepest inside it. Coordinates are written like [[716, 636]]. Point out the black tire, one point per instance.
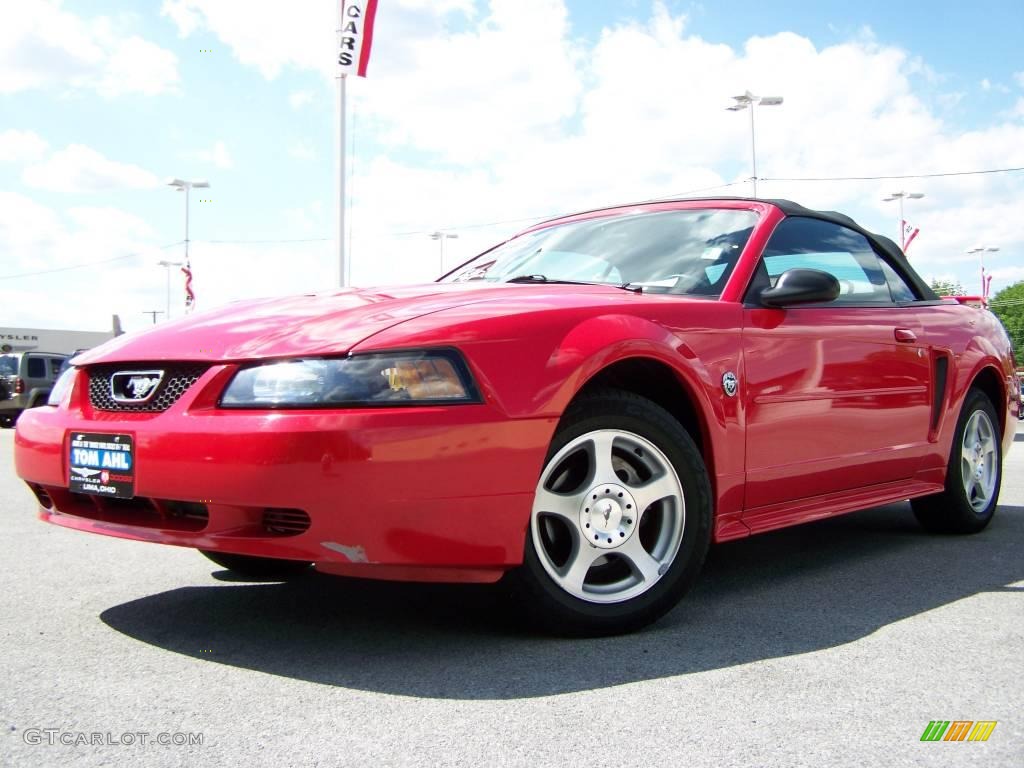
[[557, 611], [951, 511], [263, 568]]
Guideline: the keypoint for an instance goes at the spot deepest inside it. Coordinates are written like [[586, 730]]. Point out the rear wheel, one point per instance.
[[254, 567], [621, 518], [974, 474]]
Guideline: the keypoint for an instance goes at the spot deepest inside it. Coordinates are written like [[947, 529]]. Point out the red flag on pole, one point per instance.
[[357, 17], [909, 233], [190, 297]]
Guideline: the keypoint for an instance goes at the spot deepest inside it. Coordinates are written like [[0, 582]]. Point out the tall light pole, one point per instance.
[[749, 101], [168, 265], [186, 187], [981, 250], [901, 196], [441, 237]]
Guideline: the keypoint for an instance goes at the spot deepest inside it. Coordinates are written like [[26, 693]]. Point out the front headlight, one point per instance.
[[396, 378], [62, 386]]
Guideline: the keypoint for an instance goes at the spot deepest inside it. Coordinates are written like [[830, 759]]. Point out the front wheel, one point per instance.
[[621, 519], [973, 476], [252, 567]]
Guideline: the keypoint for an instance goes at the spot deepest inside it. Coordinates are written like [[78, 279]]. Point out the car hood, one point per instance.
[[315, 324]]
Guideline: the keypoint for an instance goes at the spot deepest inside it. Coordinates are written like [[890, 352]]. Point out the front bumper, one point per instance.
[[413, 493]]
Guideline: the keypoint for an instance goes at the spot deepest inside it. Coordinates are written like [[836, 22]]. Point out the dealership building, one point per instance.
[[52, 340]]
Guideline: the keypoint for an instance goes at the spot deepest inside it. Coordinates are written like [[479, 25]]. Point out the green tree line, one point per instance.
[[1008, 306]]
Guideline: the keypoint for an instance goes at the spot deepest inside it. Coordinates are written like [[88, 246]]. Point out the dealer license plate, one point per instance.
[[102, 464]]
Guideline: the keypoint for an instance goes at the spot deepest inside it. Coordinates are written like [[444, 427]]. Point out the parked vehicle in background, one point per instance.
[[26, 379], [1020, 394]]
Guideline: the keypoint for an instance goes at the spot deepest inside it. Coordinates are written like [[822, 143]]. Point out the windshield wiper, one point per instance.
[[534, 279], [552, 280]]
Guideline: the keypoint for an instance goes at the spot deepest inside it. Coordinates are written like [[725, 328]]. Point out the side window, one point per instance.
[[55, 363], [846, 255], [36, 368], [901, 292]]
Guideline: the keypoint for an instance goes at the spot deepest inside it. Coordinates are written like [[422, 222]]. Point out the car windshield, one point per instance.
[[8, 365], [688, 252]]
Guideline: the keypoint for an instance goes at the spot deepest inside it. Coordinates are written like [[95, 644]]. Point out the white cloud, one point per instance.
[[124, 277], [78, 168], [262, 36], [299, 99], [301, 150], [498, 111], [44, 46], [216, 155], [21, 147], [1019, 78], [35, 238]]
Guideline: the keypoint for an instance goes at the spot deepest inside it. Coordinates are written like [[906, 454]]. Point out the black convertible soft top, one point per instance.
[[881, 242], [788, 207]]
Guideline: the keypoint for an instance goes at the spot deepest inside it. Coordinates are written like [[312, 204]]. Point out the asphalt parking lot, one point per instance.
[[829, 644]]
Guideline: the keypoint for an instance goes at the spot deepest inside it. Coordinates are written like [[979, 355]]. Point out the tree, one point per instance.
[[1008, 306], [948, 287]]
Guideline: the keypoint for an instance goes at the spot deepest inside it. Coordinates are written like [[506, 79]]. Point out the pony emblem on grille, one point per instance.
[[134, 386]]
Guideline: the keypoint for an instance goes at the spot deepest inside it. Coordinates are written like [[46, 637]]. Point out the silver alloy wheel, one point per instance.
[[979, 461], [608, 516]]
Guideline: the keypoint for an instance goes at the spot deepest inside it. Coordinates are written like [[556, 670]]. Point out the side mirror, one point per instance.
[[801, 286]]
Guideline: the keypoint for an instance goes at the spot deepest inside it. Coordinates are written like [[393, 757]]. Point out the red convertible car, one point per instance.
[[582, 409]]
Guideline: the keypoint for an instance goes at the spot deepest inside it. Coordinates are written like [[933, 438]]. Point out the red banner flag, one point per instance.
[[909, 233], [190, 297], [356, 36]]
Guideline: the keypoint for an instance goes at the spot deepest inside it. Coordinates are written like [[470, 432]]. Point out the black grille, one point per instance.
[[178, 377], [285, 522]]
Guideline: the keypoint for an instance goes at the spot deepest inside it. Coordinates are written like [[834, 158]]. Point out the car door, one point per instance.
[[836, 395]]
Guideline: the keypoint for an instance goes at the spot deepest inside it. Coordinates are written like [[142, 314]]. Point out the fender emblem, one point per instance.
[[729, 383]]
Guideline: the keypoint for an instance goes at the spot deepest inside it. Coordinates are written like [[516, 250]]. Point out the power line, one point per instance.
[[85, 265], [901, 176], [283, 240]]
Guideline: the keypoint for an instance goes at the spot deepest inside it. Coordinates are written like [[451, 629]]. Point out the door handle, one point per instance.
[[905, 335]]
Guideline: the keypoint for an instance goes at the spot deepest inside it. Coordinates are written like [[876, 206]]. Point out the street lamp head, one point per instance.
[[901, 195], [770, 101], [181, 184]]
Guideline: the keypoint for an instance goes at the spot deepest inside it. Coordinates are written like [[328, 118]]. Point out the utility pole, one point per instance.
[[153, 313]]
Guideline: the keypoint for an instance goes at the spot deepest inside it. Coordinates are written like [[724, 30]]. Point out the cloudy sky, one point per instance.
[[476, 118]]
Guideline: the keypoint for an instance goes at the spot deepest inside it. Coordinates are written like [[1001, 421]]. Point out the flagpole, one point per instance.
[[342, 273], [342, 266]]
